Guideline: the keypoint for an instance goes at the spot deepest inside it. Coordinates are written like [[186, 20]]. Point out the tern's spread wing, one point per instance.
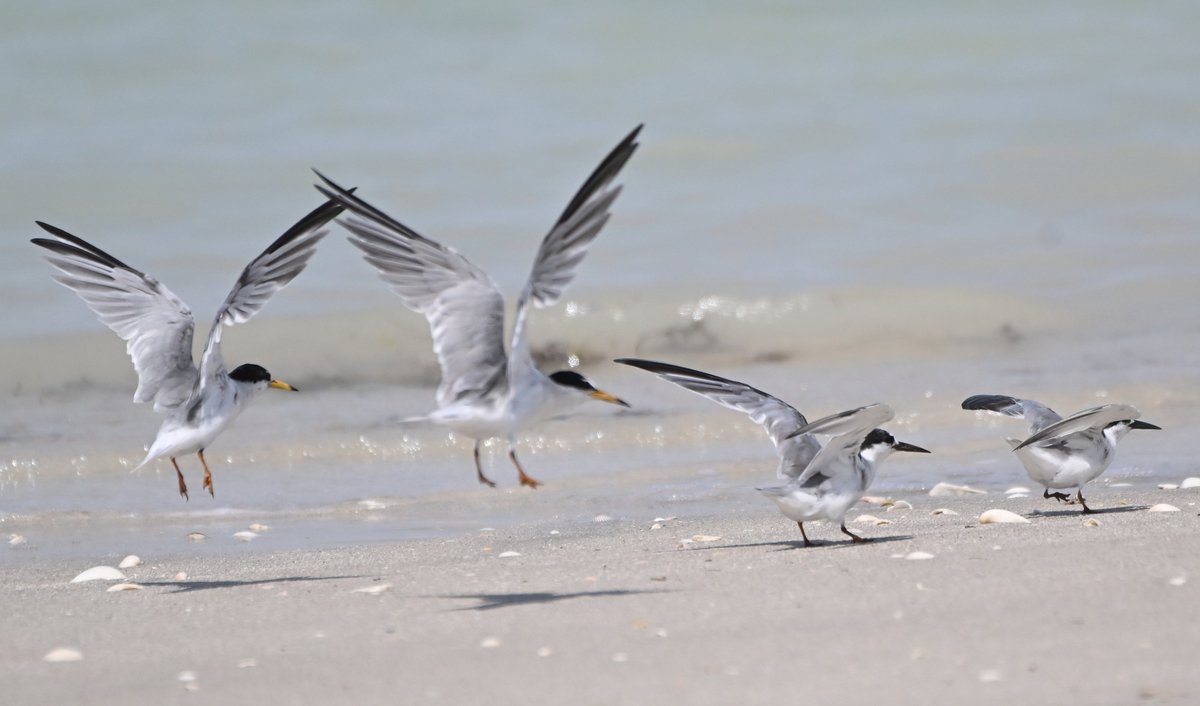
[[779, 418], [464, 306], [568, 241], [1094, 418], [1037, 414], [849, 429], [261, 279], [156, 325]]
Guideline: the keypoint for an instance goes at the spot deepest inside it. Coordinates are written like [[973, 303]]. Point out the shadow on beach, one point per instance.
[[187, 585], [491, 601]]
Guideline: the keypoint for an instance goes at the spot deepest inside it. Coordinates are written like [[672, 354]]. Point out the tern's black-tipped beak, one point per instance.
[[281, 385], [608, 397], [1139, 424], [905, 446]]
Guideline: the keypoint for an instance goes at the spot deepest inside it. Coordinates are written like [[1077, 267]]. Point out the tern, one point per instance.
[[1064, 453], [198, 403], [821, 482], [486, 392]]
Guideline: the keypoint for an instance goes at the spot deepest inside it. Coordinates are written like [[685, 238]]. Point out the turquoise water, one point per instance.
[[879, 202]]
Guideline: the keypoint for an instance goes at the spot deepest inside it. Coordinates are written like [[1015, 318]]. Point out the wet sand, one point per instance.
[[719, 605]]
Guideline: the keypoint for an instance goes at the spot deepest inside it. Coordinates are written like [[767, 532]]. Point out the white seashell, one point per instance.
[[245, 536], [130, 561], [1120, 485], [1016, 496], [487, 529], [197, 536], [602, 518], [181, 576], [665, 519], [1168, 486], [247, 662], [99, 573], [620, 657], [507, 555], [918, 556], [123, 587], [990, 676], [374, 590], [1190, 482], [943, 511], [555, 532], [188, 676], [1017, 490], [372, 504], [881, 521], [258, 527], [1163, 507], [705, 537], [997, 516], [63, 654], [866, 518], [656, 525], [946, 489], [1177, 581], [900, 505], [544, 652], [876, 500], [15, 540], [489, 643], [1091, 522]]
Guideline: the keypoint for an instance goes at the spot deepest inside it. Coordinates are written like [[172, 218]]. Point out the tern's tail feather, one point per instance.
[[775, 491]]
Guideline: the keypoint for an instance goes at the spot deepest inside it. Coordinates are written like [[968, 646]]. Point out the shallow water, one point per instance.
[[840, 205]]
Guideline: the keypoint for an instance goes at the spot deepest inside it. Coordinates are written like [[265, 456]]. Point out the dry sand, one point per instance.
[[604, 612]]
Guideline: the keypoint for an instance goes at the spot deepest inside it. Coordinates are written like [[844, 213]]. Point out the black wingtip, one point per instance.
[[988, 403]]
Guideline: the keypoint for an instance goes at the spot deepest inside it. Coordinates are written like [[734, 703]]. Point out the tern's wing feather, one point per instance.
[[155, 324], [464, 307], [1093, 418], [779, 418], [266, 274], [568, 241], [1037, 414], [849, 429]]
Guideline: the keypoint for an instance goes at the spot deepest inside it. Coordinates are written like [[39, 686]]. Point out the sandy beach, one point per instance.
[[657, 603]]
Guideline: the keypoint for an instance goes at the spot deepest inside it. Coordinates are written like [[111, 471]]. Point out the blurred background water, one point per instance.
[[908, 202]]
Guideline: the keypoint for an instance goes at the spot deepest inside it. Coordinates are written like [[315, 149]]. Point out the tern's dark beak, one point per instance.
[[280, 384], [608, 397], [905, 446], [1139, 424]]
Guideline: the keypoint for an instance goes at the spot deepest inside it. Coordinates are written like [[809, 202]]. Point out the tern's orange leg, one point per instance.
[[182, 485], [525, 479], [207, 474], [807, 543], [479, 469]]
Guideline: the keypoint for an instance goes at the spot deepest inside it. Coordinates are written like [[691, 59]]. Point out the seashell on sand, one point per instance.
[[1177, 581], [196, 536], [917, 556], [866, 518], [245, 536], [1091, 522], [507, 555], [1163, 507], [63, 654], [1190, 482], [130, 561], [1168, 486], [15, 540], [258, 527], [117, 587], [1017, 490], [372, 504], [99, 573], [375, 590], [998, 516], [899, 505], [943, 511], [942, 490], [705, 538], [876, 500], [489, 643]]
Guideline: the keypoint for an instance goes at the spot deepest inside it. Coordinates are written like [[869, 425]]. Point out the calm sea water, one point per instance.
[[845, 204]]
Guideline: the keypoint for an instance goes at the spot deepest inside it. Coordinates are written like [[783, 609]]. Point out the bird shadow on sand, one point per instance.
[[492, 601], [787, 545], [1076, 511], [186, 585]]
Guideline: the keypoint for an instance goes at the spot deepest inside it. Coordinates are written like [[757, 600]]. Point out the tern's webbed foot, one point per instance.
[[1061, 497], [854, 537], [526, 479], [182, 485]]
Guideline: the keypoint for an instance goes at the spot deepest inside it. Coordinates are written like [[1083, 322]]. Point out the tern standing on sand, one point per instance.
[[1064, 453], [199, 403], [822, 482], [486, 392]]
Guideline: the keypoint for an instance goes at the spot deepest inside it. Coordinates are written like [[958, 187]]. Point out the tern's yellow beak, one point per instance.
[[280, 384], [608, 397]]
